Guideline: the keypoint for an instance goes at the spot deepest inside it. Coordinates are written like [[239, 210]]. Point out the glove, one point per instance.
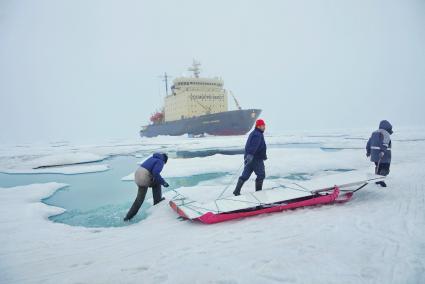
[[166, 184], [381, 155], [265, 158], [248, 159], [368, 154]]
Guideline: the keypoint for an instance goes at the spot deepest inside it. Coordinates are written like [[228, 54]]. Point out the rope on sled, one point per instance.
[[232, 180]]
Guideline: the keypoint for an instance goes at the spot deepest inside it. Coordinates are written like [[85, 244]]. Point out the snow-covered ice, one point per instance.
[[65, 158], [377, 237], [66, 170]]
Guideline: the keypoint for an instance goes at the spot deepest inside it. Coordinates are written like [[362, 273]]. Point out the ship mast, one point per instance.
[[165, 79], [195, 68]]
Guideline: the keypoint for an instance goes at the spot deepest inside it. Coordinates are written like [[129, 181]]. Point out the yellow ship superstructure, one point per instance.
[[195, 96]]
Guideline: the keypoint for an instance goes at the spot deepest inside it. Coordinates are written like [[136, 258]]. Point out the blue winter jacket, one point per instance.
[[380, 141], [154, 165], [256, 146]]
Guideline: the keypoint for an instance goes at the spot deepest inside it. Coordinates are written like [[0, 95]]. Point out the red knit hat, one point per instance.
[[260, 122]]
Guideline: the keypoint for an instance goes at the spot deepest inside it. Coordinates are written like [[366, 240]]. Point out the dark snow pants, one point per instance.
[[141, 193], [383, 169], [256, 166]]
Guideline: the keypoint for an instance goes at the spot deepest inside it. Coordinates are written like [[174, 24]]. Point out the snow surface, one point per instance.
[[64, 158], [66, 170], [280, 161], [377, 237], [26, 158]]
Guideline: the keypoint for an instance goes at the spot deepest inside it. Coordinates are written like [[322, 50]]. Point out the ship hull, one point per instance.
[[237, 122]]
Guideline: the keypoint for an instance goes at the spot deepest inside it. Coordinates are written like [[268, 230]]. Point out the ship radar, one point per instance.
[[195, 68]]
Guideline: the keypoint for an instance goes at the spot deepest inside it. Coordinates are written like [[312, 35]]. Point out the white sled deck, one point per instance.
[[281, 195]]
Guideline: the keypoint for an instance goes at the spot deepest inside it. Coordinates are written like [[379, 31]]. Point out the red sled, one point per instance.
[[273, 200]]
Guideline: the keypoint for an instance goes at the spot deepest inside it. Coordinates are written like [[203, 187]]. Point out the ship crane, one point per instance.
[[236, 101]]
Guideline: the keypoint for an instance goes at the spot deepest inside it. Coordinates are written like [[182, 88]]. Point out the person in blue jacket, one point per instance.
[[255, 155], [148, 175], [378, 148]]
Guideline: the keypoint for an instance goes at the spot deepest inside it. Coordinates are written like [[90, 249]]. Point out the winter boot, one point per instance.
[[237, 190], [258, 185], [381, 183], [156, 202]]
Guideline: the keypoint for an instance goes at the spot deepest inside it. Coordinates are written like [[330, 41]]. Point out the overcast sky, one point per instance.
[[83, 70]]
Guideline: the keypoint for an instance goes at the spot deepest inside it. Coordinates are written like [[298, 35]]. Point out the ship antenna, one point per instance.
[[195, 68], [165, 79]]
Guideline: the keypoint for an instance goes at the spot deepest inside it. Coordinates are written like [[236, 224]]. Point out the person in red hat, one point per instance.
[[255, 155]]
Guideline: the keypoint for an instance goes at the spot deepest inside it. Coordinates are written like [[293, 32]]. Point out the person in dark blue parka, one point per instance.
[[378, 148], [148, 175], [255, 155]]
